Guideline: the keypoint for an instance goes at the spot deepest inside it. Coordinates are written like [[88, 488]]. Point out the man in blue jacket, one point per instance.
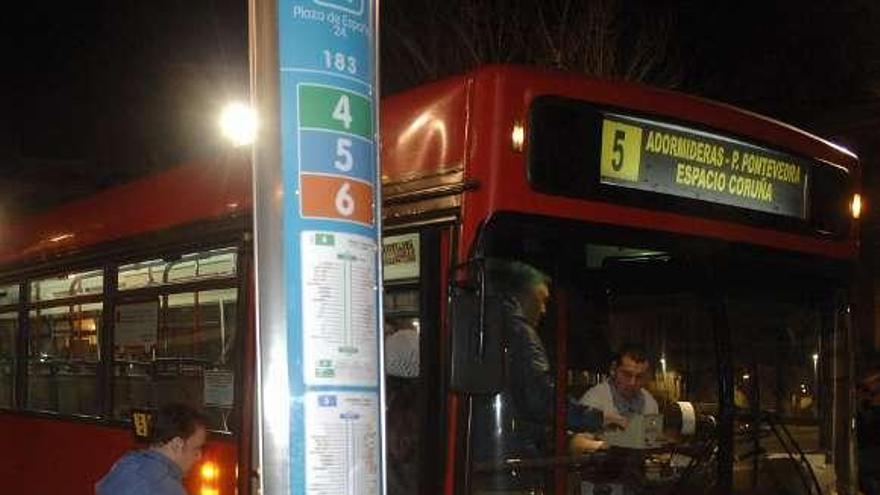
[[178, 435]]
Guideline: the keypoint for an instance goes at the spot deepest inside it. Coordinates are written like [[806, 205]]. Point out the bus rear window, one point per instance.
[[219, 263]]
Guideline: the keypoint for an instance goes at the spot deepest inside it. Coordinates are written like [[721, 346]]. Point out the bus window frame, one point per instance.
[[706, 253], [203, 236]]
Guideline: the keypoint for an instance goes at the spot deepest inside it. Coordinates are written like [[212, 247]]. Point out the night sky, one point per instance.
[[98, 92]]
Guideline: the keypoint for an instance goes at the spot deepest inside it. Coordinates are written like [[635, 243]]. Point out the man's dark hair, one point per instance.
[[514, 277], [175, 420], [631, 350]]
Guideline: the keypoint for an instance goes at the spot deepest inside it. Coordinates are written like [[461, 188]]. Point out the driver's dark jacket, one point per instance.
[[527, 398]]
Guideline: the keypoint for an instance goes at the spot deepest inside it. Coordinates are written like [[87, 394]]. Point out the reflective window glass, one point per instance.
[[8, 294], [405, 387], [599, 340], [8, 329], [178, 347], [68, 285], [63, 358], [218, 263], [781, 336], [716, 364]]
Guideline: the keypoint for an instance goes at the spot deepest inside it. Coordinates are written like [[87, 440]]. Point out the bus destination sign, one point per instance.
[[678, 161]]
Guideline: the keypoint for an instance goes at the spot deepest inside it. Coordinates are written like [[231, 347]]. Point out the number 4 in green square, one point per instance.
[[621, 151]]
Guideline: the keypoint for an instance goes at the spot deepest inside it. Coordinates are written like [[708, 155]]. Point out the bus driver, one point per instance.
[[623, 393]]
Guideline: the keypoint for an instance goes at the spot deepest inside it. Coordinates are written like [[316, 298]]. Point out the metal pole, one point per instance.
[[271, 432]]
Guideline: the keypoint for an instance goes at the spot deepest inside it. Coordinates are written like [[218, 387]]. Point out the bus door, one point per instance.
[[414, 266]]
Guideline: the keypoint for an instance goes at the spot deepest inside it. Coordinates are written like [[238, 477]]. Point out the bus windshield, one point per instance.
[[709, 364]]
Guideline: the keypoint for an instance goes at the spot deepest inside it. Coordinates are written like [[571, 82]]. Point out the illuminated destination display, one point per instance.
[[658, 157]]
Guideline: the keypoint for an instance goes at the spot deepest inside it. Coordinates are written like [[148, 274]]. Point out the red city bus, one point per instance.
[[119, 301], [718, 241]]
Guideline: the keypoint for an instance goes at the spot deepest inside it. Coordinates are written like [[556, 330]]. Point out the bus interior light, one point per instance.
[[855, 206]]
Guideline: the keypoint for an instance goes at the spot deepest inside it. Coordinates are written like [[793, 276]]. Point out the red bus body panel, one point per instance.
[[477, 111], [178, 196], [45, 456], [424, 131]]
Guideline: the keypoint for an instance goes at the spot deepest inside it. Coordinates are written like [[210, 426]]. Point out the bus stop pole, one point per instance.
[[270, 433], [318, 419]]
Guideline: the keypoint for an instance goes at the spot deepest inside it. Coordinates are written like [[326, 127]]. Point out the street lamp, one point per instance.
[[238, 123]]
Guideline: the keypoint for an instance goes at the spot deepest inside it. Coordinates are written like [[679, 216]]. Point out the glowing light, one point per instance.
[[518, 137], [59, 238], [238, 122], [855, 206], [209, 471], [88, 325], [209, 491], [663, 363], [746, 376]]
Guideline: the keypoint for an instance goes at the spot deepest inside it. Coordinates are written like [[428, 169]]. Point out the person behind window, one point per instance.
[[178, 434], [403, 428], [623, 393], [523, 293]]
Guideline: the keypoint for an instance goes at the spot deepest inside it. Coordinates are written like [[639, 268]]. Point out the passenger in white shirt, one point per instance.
[[624, 393]]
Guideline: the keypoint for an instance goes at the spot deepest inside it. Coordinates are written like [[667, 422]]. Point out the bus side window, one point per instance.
[[8, 329], [179, 345], [63, 358], [177, 348]]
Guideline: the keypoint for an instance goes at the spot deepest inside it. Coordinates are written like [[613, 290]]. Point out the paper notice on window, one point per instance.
[[340, 342], [342, 449], [219, 390], [137, 324], [400, 257]]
